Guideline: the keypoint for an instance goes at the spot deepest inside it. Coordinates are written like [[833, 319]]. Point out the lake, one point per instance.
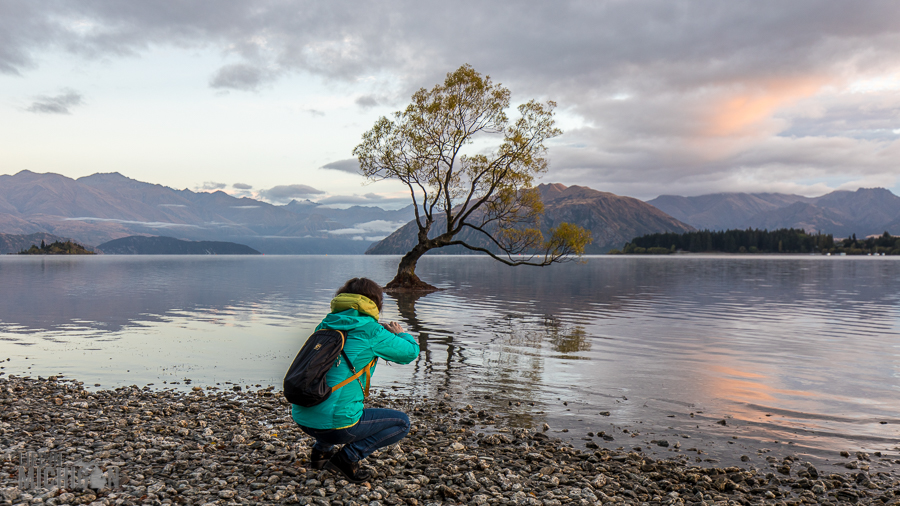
[[723, 355]]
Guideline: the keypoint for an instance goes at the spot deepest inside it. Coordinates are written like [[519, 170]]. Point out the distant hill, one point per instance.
[[612, 219], [802, 215], [891, 227], [14, 243], [102, 207], [161, 245], [354, 214], [867, 211], [722, 211]]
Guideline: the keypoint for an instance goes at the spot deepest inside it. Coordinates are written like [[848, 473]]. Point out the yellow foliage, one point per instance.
[[491, 192]]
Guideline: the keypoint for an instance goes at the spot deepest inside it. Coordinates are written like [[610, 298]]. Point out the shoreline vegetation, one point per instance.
[[57, 248], [752, 241], [234, 446]]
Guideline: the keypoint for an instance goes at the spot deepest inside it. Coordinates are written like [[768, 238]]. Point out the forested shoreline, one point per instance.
[[786, 240]]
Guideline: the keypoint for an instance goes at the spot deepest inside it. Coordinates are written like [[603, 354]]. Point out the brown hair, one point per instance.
[[365, 287]]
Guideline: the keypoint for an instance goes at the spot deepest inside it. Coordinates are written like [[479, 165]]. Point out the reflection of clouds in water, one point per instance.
[[747, 387]]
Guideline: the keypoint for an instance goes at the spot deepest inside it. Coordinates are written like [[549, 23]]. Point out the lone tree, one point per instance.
[[456, 192]]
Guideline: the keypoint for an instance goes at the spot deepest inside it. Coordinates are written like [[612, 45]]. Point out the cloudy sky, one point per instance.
[[268, 98]]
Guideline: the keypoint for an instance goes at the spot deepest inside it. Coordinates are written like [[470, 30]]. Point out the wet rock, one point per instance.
[[227, 494], [811, 469], [9, 494], [599, 481], [846, 494], [724, 485]]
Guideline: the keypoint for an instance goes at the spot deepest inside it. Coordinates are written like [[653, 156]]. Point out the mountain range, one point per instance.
[[102, 207], [612, 220], [867, 211]]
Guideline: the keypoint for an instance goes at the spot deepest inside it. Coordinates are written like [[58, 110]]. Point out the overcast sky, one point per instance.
[[268, 98]]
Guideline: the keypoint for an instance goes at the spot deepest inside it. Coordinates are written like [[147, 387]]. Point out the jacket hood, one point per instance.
[[360, 303]]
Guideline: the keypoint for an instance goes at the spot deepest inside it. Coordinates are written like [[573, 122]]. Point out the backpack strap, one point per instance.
[[356, 374]]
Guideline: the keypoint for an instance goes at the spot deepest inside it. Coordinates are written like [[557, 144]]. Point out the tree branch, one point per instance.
[[509, 260]]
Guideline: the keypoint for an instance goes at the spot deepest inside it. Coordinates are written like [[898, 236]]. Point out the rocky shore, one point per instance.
[[234, 446]]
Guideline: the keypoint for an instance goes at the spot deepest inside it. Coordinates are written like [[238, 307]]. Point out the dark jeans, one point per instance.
[[376, 429]]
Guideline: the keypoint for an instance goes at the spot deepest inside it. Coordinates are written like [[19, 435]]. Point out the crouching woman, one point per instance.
[[341, 419]]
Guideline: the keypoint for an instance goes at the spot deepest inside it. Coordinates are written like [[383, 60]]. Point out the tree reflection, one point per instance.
[[566, 339], [511, 362], [406, 307]]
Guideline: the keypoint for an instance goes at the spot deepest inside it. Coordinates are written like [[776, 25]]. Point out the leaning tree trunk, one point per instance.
[[406, 279]]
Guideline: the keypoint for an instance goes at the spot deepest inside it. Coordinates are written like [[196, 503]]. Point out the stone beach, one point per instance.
[[216, 445]]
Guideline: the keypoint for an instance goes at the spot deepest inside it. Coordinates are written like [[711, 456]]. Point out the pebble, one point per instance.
[[208, 446]]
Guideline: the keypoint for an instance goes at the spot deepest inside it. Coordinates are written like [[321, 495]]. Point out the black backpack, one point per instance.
[[304, 383]]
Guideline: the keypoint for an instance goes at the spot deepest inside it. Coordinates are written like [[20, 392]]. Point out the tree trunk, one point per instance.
[[406, 279]]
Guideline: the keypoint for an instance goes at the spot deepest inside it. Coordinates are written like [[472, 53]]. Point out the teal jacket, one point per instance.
[[366, 340]]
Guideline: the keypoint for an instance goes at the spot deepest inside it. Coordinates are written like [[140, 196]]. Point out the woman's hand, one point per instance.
[[393, 327]]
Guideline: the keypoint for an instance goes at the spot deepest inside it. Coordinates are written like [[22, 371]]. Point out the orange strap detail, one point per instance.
[[367, 369]]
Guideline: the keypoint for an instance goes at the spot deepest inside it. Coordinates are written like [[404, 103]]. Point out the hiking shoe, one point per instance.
[[352, 471], [318, 458]]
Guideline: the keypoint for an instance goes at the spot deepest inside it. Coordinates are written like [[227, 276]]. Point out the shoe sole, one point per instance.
[[337, 470]]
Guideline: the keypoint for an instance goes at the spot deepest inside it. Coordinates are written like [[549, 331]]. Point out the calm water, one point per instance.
[[796, 354]]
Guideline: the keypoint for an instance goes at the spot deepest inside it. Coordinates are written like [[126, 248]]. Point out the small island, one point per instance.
[[57, 248]]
